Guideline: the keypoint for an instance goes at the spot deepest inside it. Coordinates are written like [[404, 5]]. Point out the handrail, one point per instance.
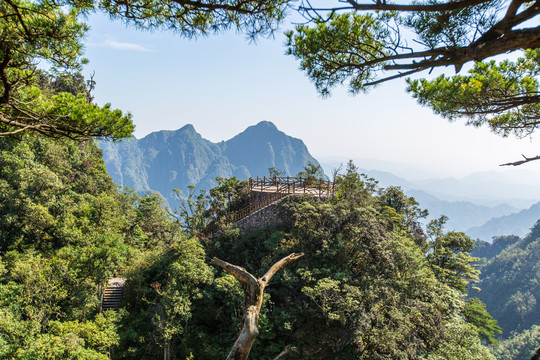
[[292, 185], [254, 207]]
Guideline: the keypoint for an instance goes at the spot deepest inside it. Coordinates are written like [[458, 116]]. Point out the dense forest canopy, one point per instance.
[[509, 282], [371, 285], [510, 289]]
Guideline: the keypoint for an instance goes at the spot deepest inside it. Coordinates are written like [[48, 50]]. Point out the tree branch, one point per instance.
[[287, 350], [536, 355], [280, 265], [520, 162], [383, 6], [19, 16], [238, 272]]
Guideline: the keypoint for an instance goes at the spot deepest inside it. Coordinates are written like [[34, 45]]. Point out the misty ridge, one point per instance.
[[483, 204]]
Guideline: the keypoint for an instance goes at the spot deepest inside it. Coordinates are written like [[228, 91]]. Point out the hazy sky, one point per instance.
[[222, 84]]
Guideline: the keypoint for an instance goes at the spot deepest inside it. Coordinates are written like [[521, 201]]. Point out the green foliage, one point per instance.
[[161, 287], [200, 210], [509, 284], [361, 44], [51, 32], [253, 17], [449, 256], [369, 285], [475, 313], [229, 195], [488, 250], [461, 343], [311, 173], [326, 47], [406, 211], [365, 287], [354, 186], [72, 83], [273, 172], [64, 231], [520, 345], [453, 28], [44, 31], [75, 340], [502, 96], [192, 209]]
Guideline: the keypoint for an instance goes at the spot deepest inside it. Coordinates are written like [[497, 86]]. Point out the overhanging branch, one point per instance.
[[383, 6], [521, 162]]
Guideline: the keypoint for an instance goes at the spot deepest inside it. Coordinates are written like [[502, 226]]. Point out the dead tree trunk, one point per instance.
[[284, 352], [253, 297]]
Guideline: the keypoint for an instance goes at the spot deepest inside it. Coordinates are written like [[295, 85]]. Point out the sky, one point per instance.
[[224, 83]]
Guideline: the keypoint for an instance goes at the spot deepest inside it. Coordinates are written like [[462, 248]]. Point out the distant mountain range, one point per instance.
[[164, 160], [462, 215], [482, 205], [519, 188], [519, 224]]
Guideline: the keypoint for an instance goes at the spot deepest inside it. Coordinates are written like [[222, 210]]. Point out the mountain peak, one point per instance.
[[177, 158], [265, 125], [263, 131], [188, 128]]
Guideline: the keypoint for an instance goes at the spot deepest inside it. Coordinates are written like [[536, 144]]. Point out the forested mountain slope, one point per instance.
[[510, 283], [166, 160], [64, 231], [371, 284]]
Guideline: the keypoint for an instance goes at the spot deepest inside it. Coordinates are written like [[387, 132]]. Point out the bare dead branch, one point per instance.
[[280, 265], [521, 162], [284, 352], [238, 272]]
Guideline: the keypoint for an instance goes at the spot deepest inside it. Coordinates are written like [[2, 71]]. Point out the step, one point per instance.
[[113, 294]]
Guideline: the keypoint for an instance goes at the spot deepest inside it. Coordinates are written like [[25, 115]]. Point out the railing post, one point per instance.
[[288, 185]]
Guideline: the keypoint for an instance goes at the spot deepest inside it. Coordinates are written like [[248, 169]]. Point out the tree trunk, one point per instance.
[[253, 298], [536, 355], [167, 350]]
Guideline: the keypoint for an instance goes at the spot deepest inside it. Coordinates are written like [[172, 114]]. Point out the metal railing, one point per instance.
[[292, 185], [257, 205]]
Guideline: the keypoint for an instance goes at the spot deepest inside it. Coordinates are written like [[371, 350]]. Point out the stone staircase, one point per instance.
[[113, 294]]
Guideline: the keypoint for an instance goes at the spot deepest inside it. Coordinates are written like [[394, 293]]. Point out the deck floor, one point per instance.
[[302, 190]]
